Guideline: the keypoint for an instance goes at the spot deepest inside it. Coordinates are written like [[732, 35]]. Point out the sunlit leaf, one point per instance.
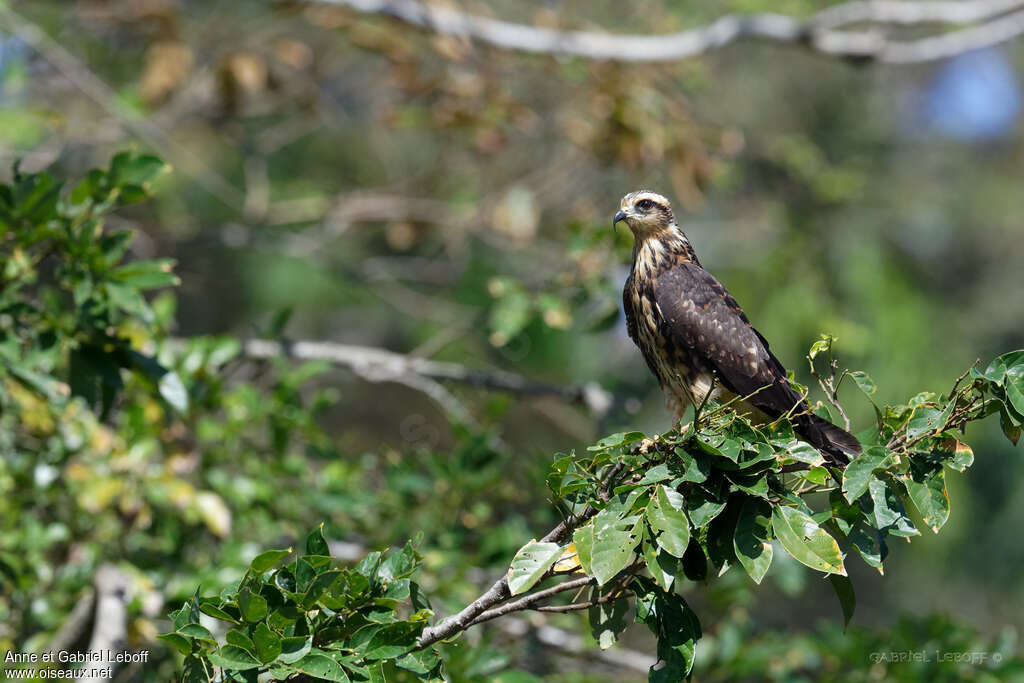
[[807, 542], [529, 565]]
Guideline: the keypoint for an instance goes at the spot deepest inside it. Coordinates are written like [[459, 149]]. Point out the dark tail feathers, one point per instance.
[[834, 443]]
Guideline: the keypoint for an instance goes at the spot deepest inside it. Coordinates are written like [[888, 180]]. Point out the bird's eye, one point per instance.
[[644, 204]]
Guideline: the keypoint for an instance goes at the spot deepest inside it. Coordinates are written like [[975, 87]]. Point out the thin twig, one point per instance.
[[529, 601], [986, 23], [73, 69], [572, 643]]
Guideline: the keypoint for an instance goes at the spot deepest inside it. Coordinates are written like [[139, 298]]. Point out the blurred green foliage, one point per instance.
[[417, 193]]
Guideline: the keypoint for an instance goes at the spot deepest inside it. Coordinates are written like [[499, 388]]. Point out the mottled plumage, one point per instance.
[[691, 330]]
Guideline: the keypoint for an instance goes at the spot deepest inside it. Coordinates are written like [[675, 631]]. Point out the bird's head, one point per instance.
[[648, 214]]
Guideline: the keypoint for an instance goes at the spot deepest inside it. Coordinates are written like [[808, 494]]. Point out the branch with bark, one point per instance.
[[976, 24], [380, 365], [490, 604]]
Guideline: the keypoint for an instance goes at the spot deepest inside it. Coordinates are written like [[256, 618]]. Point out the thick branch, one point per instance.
[[110, 625], [992, 24]]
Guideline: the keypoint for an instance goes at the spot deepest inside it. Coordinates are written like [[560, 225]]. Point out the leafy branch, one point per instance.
[[644, 518]]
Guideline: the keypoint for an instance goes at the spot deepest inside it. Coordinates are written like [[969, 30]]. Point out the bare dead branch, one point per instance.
[[988, 22], [110, 625], [76, 625], [379, 365]]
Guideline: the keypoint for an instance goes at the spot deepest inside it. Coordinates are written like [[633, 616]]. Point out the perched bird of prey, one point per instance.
[[696, 338]]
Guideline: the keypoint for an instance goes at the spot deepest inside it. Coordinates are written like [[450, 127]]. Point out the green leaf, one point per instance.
[[698, 466], [820, 346], [926, 485], [807, 542], [129, 168], [319, 665], [294, 648], [870, 546], [267, 560], [844, 591], [529, 565], [617, 439], [614, 542], [926, 420], [196, 670], [216, 612], [859, 472], [662, 566], [752, 539], [802, 451], [864, 382], [178, 641], [668, 521], [252, 606], [196, 631], [583, 539], [702, 507], [726, 448], [233, 658], [181, 616], [678, 631], [655, 474], [607, 620], [146, 274], [420, 662], [399, 564], [1014, 387], [1007, 363], [317, 587], [886, 510], [1011, 429], [240, 639], [955, 454], [393, 640], [316, 544], [268, 643]]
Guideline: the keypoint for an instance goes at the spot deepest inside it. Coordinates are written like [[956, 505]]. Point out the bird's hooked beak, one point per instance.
[[620, 216]]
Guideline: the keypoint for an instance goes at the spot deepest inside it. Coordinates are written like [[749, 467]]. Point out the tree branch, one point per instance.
[[528, 601], [110, 624], [79, 75], [379, 365], [499, 591], [992, 24]]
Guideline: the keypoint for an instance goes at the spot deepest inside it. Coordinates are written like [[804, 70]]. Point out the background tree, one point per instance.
[[347, 178]]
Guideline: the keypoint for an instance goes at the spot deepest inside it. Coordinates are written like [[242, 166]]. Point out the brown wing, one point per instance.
[[701, 316]]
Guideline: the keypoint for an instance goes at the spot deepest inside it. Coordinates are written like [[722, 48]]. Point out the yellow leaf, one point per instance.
[[569, 561]]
